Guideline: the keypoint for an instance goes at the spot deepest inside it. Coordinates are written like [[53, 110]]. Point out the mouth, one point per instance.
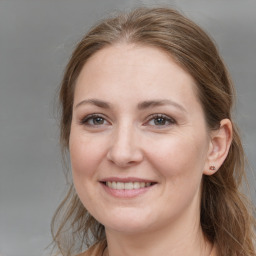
[[127, 185], [127, 188]]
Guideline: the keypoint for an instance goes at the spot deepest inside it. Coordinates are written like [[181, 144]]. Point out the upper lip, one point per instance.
[[127, 179]]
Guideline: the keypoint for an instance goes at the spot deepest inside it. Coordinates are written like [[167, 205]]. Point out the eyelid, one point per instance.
[[85, 119], [164, 116]]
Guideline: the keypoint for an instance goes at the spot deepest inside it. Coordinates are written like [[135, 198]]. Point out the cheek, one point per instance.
[[85, 154], [178, 155]]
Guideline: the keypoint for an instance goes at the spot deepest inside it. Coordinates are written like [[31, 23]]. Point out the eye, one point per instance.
[[160, 120], [94, 120]]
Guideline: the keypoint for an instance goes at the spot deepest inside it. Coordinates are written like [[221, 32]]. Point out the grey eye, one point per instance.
[[160, 121], [94, 120], [98, 120]]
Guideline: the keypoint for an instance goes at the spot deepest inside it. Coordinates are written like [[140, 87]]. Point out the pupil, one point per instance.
[[98, 120], [159, 121]]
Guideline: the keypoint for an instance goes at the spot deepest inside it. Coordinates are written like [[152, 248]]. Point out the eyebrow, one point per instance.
[[96, 102], [141, 106], [158, 103]]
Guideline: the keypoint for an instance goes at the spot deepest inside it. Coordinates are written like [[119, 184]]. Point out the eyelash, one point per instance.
[[153, 117], [92, 117], [165, 118]]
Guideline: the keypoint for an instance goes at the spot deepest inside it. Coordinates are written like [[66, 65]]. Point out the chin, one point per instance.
[[128, 229], [127, 222]]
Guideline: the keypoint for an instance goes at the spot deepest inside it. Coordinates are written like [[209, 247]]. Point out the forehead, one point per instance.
[[132, 71], [132, 55]]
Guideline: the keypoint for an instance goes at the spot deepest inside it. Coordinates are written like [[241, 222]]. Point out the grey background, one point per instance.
[[36, 39]]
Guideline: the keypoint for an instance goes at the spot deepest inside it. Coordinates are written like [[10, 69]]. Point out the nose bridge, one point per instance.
[[124, 148]]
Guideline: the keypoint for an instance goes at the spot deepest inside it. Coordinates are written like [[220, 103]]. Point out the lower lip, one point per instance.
[[126, 193]]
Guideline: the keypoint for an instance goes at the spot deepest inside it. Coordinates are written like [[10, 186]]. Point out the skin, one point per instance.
[[124, 140]]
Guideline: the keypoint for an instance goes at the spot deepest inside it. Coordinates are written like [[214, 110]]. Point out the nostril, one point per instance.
[[124, 157]]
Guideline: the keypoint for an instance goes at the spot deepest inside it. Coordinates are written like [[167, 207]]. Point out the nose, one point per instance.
[[124, 150]]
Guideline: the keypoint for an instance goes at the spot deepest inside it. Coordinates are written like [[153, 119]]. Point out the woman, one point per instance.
[[156, 159]]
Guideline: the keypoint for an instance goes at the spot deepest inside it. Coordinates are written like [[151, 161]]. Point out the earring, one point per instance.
[[212, 168]]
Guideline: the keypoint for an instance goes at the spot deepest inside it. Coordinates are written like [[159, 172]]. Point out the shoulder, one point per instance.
[[95, 250]]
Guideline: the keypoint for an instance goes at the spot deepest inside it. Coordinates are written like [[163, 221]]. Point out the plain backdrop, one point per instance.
[[36, 39]]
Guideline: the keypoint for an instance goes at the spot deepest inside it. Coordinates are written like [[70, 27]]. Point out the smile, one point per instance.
[[127, 185], [125, 188]]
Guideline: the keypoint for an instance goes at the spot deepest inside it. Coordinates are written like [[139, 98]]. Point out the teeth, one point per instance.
[[127, 185], [119, 185], [142, 184], [136, 185]]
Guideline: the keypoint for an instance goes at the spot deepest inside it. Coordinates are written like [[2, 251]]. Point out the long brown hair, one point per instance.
[[226, 218]]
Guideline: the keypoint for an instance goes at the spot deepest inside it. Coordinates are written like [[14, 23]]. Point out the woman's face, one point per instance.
[[138, 141]]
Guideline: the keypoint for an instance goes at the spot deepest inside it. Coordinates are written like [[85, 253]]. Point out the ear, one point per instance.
[[219, 147]]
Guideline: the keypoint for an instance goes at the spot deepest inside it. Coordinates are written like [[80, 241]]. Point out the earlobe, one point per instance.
[[219, 147]]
